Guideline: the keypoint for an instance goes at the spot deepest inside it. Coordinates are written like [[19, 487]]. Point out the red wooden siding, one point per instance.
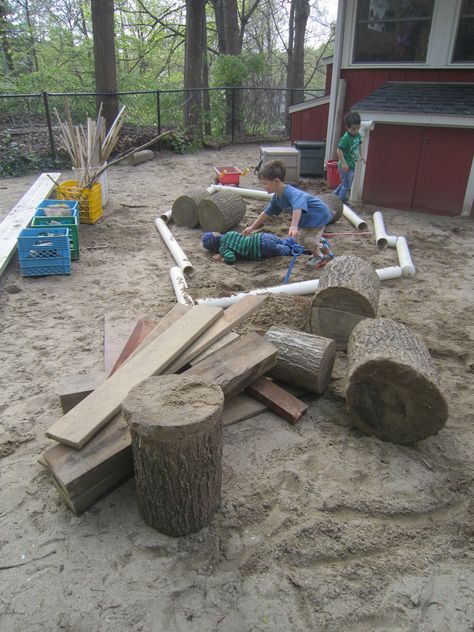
[[310, 124], [419, 168]]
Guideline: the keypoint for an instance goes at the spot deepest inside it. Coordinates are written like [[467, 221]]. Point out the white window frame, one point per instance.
[[440, 45]]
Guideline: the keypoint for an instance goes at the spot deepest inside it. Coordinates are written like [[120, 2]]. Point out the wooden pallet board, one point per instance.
[[277, 399], [20, 215], [81, 423]]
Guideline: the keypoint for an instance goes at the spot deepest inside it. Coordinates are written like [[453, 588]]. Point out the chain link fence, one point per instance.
[[29, 130]]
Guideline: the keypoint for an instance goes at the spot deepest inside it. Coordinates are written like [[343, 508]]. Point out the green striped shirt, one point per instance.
[[233, 246]]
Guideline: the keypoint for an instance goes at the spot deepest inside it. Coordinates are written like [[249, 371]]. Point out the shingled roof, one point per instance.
[[421, 98]]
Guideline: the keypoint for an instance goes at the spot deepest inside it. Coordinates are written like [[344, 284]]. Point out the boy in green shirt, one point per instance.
[[232, 245], [348, 152]]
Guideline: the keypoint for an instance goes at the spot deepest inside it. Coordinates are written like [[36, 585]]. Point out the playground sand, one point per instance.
[[320, 527]]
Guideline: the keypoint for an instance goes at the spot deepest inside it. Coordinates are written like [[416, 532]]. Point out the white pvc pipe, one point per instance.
[[180, 286], [166, 216], [381, 238], [404, 258], [354, 219], [301, 288], [253, 193], [175, 249], [392, 272]]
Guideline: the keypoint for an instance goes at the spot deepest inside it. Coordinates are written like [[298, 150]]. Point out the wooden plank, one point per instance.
[[241, 407], [238, 364], [232, 317], [219, 344], [172, 316], [20, 216], [139, 333], [277, 399], [82, 422], [74, 388], [116, 333]]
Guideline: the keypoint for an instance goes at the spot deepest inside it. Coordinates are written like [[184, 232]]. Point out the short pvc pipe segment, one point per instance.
[[253, 193], [175, 249], [180, 286], [392, 272], [353, 218], [166, 217], [404, 258], [382, 240]]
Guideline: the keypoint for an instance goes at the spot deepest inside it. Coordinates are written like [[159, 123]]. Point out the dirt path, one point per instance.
[[321, 527]]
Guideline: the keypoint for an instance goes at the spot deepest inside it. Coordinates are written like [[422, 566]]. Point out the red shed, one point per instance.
[[408, 68]]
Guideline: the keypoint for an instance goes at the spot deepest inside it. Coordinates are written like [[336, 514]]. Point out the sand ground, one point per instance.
[[321, 527]]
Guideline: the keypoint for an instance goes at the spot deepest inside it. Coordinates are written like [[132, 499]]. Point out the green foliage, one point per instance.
[[235, 70], [15, 161]]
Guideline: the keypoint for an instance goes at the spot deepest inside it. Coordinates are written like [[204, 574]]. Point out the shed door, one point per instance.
[[443, 170]]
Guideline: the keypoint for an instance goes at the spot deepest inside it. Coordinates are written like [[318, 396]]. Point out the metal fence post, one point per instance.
[[50, 127], [233, 114], [158, 111]]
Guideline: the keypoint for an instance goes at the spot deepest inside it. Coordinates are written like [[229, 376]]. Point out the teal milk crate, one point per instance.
[[44, 251], [64, 208], [59, 222]]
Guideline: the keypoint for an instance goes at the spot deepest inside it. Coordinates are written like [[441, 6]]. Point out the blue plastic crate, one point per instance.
[[44, 251], [72, 204]]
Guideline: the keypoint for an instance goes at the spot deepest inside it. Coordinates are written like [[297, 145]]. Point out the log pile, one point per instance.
[[184, 211], [221, 211]]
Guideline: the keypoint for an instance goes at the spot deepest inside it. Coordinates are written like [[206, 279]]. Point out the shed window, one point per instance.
[[464, 46], [392, 30]]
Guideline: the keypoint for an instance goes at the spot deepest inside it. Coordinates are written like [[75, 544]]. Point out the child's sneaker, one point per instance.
[[326, 248], [316, 262]]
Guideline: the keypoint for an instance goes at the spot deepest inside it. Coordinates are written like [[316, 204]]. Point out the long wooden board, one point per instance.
[[20, 215], [82, 422], [238, 364], [232, 317]]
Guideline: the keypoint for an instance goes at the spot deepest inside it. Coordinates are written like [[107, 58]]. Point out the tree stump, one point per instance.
[[176, 427], [348, 291], [221, 211], [392, 384], [184, 211], [334, 204], [303, 359]]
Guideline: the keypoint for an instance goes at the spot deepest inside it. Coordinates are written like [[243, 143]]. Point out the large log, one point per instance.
[[176, 428], [334, 204], [184, 211], [303, 359], [392, 384], [221, 211], [348, 291]]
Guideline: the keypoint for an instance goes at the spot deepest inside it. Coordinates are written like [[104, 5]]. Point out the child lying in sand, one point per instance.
[[231, 246]]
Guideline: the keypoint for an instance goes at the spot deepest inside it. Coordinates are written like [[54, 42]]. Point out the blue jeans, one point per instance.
[[273, 246], [344, 188]]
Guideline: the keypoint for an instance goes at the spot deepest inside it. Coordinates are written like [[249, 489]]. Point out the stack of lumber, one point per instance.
[[92, 453]]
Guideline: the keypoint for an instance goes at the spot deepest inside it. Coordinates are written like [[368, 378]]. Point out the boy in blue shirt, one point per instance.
[[348, 152], [309, 214]]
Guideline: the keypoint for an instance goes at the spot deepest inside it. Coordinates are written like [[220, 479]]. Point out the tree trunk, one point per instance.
[[184, 211], [303, 359], [221, 211], [348, 292], [104, 58], [194, 54], [392, 385], [299, 14], [4, 39], [176, 427], [334, 204]]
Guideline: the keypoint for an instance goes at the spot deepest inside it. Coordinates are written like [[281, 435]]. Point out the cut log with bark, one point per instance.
[[348, 292], [176, 428], [392, 390], [335, 205], [184, 211], [303, 359], [222, 211]]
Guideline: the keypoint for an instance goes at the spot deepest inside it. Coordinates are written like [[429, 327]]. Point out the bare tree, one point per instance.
[[299, 14], [104, 57], [193, 63]]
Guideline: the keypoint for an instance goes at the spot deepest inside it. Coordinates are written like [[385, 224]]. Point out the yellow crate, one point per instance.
[[90, 200]]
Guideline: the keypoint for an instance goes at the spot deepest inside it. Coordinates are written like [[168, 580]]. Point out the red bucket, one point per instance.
[[332, 175]]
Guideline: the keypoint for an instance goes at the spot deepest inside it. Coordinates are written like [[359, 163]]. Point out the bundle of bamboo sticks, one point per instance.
[[89, 146]]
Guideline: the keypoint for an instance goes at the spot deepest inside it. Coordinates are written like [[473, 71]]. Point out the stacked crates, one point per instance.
[[89, 199], [44, 251], [45, 216]]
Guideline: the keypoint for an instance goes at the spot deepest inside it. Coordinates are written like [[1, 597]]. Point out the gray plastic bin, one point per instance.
[[312, 157]]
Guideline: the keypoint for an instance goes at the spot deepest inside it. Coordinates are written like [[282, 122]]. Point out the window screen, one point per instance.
[[392, 30], [464, 46]]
